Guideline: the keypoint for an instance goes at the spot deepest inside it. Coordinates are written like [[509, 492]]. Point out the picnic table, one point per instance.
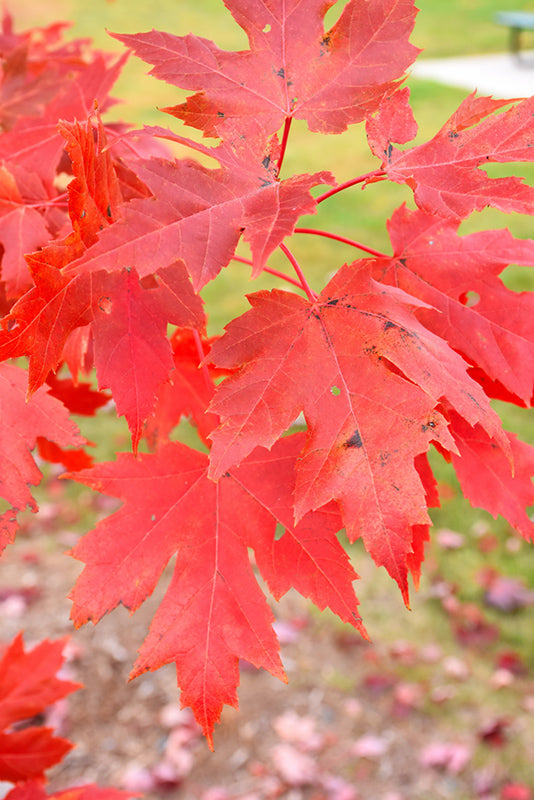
[[517, 21]]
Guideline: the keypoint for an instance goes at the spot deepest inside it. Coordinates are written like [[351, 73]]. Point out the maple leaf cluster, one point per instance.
[[29, 686], [390, 359]]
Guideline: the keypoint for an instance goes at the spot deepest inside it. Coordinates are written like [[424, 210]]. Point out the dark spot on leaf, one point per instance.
[[281, 73], [389, 151], [83, 214], [333, 302], [354, 441], [226, 475], [108, 211], [266, 162], [389, 324], [220, 114], [453, 135], [325, 41]]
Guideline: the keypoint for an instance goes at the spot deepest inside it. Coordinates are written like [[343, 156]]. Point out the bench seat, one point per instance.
[[517, 21]]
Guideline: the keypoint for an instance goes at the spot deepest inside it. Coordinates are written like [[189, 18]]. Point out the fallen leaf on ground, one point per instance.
[[449, 756]]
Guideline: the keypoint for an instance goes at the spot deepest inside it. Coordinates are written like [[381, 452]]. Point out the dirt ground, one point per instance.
[[397, 720]]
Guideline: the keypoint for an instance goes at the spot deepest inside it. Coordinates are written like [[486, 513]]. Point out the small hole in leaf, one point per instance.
[[153, 518], [471, 298], [266, 29], [279, 532], [335, 390], [105, 304]]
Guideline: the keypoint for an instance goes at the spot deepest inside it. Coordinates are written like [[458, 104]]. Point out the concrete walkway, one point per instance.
[[499, 75]]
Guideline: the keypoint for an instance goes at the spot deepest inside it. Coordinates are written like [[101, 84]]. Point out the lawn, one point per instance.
[[443, 29], [464, 27]]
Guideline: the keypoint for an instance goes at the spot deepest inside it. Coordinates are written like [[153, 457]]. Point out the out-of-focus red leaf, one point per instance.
[[27, 753], [22, 423], [516, 791]]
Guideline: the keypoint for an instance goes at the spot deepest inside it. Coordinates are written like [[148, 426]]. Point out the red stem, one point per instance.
[[202, 356], [294, 263], [343, 239], [59, 200], [285, 137], [377, 173], [270, 271]]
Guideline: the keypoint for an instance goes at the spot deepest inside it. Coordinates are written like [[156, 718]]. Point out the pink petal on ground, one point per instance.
[[337, 788], [138, 780], [291, 727], [295, 768], [369, 746], [508, 595], [501, 679], [178, 754], [352, 707], [456, 668], [285, 631], [450, 540], [215, 793], [450, 756]]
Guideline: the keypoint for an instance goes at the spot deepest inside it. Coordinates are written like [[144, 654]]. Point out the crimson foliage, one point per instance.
[[390, 358]]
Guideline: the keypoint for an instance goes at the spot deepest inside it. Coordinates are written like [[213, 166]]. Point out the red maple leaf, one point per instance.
[[28, 753], [35, 143], [294, 69], [458, 276], [22, 423], [444, 172], [370, 380], [28, 684], [33, 790], [28, 679], [187, 392], [489, 480], [94, 192], [131, 357], [198, 214], [23, 227], [213, 612], [79, 398]]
